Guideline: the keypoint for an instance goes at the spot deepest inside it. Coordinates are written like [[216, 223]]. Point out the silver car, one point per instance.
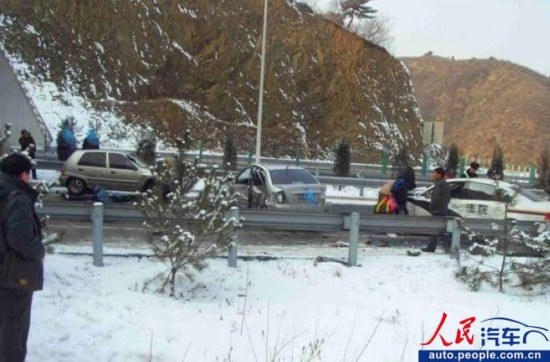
[[114, 170], [280, 187]]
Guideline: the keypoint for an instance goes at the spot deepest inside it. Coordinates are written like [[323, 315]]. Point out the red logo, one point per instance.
[[463, 332]]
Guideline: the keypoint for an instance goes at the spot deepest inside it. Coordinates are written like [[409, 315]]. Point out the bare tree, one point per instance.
[[376, 30]]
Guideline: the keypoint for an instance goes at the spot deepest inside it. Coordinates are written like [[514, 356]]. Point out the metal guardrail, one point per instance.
[[46, 164], [291, 220], [97, 213]]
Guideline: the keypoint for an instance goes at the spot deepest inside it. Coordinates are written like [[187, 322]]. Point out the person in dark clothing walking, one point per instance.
[[20, 233], [28, 145], [439, 203], [402, 185]]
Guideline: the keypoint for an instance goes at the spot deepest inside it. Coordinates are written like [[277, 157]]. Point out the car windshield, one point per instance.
[[290, 176], [527, 193], [138, 161]]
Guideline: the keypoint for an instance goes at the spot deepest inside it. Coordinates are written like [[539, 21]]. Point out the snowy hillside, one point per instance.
[[195, 66]]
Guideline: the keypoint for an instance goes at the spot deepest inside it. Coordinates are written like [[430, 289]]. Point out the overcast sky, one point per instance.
[[514, 30]]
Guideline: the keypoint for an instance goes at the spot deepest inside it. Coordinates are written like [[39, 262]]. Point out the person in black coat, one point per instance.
[[405, 182], [20, 234], [439, 203], [28, 145], [471, 172]]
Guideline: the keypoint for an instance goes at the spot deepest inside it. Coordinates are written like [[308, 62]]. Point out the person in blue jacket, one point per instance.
[[91, 142], [405, 182], [66, 140]]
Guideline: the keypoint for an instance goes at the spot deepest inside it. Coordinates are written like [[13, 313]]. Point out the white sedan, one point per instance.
[[478, 198]]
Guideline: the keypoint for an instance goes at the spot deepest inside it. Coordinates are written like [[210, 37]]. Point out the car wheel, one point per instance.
[[148, 186], [76, 186]]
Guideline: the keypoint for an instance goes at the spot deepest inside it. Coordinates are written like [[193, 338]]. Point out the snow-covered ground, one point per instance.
[[282, 310]]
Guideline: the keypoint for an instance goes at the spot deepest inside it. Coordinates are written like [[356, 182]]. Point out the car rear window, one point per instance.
[[95, 159], [292, 176]]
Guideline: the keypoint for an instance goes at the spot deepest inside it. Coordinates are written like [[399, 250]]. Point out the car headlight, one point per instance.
[[280, 197]]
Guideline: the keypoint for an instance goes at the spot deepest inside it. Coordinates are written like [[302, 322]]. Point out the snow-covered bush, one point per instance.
[[230, 154], [512, 248], [343, 159], [146, 149], [516, 259], [186, 226]]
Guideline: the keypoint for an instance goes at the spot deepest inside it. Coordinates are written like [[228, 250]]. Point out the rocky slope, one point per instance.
[[484, 102], [194, 65]]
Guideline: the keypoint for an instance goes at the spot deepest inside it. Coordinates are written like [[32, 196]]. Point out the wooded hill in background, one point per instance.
[[484, 102], [195, 65]]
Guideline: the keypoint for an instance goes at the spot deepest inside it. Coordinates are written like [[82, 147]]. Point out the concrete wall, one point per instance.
[[17, 108]]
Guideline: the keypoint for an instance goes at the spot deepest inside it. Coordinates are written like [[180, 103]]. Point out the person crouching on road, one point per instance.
[[439, 203], [21, 239]]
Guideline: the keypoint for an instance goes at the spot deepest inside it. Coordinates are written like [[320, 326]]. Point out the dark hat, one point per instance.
[[15, 164]]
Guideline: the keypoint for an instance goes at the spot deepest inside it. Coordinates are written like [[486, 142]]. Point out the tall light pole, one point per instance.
[[261, 96]]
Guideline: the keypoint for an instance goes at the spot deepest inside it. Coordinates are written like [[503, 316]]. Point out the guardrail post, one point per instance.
[[250, 152], [232, 250], [424, 169], [532, 177], [454, 228], [353, 238], [97, 232], [461, 167], [384, 162], [361, 190]]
